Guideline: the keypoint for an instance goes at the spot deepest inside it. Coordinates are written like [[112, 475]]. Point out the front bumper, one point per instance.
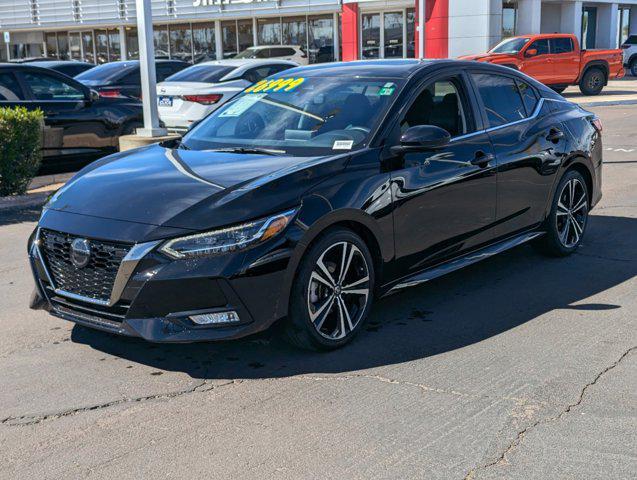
[[158, 295]]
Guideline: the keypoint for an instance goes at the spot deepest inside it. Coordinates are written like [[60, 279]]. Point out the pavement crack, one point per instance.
[[25, 420], [502, 457]]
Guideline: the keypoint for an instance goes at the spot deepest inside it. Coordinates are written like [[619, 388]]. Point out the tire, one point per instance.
[[593, 81], [316, 319], [633, 67], [567, 221]]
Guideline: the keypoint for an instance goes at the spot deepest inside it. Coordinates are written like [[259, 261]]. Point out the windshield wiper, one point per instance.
[[247, 150]]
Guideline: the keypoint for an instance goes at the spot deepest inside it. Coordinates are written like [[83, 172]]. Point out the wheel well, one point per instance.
[[601, 66], [588, 178]]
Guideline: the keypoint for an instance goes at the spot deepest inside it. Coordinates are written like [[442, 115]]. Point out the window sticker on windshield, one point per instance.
[[388, 89], [276, 85], [241, 105], [343, 145]]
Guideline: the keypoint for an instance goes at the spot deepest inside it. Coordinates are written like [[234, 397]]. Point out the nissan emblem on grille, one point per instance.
[[80, 252]]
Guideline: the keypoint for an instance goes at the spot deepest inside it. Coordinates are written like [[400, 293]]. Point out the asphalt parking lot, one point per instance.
[[520, 367]]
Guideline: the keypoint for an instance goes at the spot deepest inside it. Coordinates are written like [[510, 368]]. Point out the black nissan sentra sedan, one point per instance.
[[312, 193]]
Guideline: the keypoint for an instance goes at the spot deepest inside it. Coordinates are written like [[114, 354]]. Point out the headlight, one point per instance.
[[229, 239]]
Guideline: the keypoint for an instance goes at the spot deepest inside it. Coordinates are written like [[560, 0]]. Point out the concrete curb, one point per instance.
[[21, 202], [608, 104]]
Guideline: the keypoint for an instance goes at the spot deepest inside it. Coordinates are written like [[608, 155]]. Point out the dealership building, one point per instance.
[[99, 31]]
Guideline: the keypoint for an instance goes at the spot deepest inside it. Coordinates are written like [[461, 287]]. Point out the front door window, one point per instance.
[[393, 24]]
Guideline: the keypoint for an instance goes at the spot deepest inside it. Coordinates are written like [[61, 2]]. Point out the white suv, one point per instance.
[[630, 54], [281, 52]]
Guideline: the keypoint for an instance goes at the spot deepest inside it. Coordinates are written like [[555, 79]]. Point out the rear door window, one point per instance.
[[561, 45], [10, 90], [501, 98], [47, 87], [529, 97]]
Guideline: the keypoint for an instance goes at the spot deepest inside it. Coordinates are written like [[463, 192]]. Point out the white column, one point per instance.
[[147, 70], [633, 20], [607, 33], [529, 17], [218, 40], [122, 42], [337, 46], [421, 29], [255, 36], [571, 19]]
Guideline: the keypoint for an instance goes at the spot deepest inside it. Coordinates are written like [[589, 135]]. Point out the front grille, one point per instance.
[[96, 279]]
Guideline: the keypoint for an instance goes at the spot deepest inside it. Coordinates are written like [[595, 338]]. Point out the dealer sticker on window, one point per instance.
[[241, 105], [388, 89], [276, 85], [343, 145]]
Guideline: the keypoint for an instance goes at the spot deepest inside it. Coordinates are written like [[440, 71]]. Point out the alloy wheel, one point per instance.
[[338, 290], [572, 212], [595, 81]]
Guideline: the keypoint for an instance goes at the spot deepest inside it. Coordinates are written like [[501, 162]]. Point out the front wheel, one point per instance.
[[633, 67], [592, 82], [567, 221], [332, 293]]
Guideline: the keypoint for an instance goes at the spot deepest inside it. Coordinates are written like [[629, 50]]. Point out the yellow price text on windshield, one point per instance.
[[276, 85]]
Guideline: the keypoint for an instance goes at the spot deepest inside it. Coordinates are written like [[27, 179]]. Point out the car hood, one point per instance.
[[487, 57], [195, 190]]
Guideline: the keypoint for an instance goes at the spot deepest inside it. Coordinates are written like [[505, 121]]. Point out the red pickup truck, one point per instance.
[[557, 61]]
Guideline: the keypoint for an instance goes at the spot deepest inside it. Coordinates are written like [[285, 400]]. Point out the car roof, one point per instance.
[[261, 47], [55, 63], [389, 68], [252, 62]]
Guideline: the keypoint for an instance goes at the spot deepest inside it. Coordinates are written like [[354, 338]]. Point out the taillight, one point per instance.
[[203, 99], [111, 94], [597, 123]]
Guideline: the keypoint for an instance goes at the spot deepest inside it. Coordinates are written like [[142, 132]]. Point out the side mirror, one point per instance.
[[92, 96], [531, 52], [421, 138]]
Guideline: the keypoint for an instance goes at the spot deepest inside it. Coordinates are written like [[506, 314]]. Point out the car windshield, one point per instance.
[[105, 72], [201, 73], [512, 45], [249, 53], [298, 116]]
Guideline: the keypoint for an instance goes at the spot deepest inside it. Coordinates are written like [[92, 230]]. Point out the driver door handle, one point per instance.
[[555, 135], [482, 159]]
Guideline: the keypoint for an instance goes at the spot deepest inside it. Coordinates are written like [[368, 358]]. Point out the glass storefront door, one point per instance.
[[269, 31], [160, 38], [180, 42], [63, 46], [75, 47], [589, 27], [321, 37], [244, 34], [101, 45], [295, 31], [229, 38], [393, 41], [370, 35], [132, 44], [411, 33], [51, 45]]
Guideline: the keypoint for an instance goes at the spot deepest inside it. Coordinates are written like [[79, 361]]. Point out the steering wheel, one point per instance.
[[249, 124]]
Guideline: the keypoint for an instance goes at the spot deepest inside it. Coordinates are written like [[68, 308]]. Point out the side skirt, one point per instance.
[[464, 261]]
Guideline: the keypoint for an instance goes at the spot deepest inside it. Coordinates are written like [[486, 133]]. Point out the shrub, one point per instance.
[[20, 154]]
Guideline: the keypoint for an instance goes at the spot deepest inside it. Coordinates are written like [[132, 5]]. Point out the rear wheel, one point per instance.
[[333, 292], [592, 82], [567, 221], [633, 67]]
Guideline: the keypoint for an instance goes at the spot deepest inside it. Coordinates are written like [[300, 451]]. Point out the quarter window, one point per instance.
[[501, 99], [48, 87], [529, 97], [9, 89], [439, 104], [561, 45]]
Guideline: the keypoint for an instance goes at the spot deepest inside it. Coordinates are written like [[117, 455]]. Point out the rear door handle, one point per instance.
[[555, 135], [482, 159]]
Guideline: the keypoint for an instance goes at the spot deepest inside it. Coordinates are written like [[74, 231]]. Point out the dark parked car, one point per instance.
[[79, 126], [67, 67], [313, 193], [122, 79]]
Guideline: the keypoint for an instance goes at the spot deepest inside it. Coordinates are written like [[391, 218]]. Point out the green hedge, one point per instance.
[[20, 154]]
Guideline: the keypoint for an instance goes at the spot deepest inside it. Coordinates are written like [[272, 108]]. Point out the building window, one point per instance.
[[589, 27], [624, 24], [114, 46], [75, 47], [203, 42], [411, 33], [63, 45], [509, 18], [87, 47], [269, 31], [132, 44], [295, 31], [160, 39], [321, 39], [370, 35], [245, 37], [180, 42], [51, 41], [229, 39]]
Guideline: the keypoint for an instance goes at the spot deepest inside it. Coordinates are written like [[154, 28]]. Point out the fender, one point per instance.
[[323, 216], [603, 64], [577, 158]]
